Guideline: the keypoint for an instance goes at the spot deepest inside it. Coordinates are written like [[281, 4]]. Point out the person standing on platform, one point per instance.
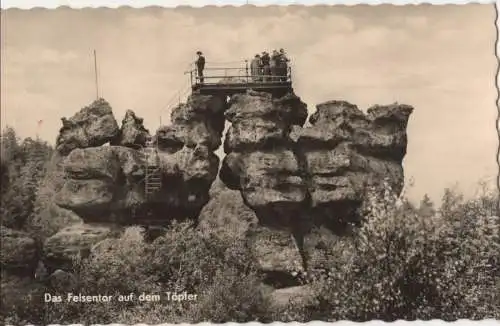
[[200, 65], [283, 64], [274, 66], [255, 67], [266, 71]]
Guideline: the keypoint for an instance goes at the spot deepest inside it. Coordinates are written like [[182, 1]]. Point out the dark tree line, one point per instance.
[[22, 169]]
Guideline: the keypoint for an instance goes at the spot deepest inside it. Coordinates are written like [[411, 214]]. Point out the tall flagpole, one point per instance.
[[96, 78]]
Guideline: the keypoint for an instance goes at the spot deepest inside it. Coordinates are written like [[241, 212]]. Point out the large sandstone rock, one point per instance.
[[276, 252], [187, 176], [74, 242], [271, 183], [260, 121], [132, 133], [62, 281], [295, 296], [94, 125], [185, 156], [101, 180], [199, 121], [345, 151], [227, 213], [107, 184], [19, 252], [261, 161]]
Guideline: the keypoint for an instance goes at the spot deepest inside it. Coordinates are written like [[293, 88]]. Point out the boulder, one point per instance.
[[187, 176], [62, 281], [92, 126], [261, 161], [345, 151], [199, 121], [271, 183], [132, 133], [227, 213], [100, 180], [276, 252], [289, 108], [295, 296], [74, 242], [189, 134]]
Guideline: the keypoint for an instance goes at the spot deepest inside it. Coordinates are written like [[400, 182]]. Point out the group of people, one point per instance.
[[265, 67]]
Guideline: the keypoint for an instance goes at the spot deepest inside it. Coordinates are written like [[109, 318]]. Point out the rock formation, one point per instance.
[[185, 149], [301, 181], [106, 184], [75, 241], [260, 160], [92, 126], [262, 163], [290, 187], [346, 151], [132, 133], [102, 182]]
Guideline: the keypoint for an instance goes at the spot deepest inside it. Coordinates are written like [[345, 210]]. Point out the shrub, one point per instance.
[[402, 265], [218, 270]]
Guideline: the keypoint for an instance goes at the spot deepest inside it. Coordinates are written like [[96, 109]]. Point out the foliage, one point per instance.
[[402, 264], [23, 168], [219, 271]]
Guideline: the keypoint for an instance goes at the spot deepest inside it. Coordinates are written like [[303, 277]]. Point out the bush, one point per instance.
[[218, 270], [402, 265]]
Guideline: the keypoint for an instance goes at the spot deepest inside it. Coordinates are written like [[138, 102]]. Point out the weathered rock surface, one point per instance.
[[132, 133], [260, 160], [62, 281], [200, 121], [275, 251], [260, 121], [296, 296], [271, 183], [100, 180], [303, 181], [346, 151], [185, 154], [19, 252], [290, 189], [72, 242], [226, 212], [94, 125], [107, 183], [277, 255], [187, 176]]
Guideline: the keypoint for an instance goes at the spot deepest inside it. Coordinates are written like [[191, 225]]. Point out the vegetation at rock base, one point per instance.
[[427, 261], [404, 263]]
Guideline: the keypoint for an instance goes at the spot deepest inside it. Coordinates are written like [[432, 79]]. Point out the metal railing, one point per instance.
[[236, 75]]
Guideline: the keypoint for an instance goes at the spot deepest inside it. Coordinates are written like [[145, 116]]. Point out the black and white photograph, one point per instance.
[[249, 164]]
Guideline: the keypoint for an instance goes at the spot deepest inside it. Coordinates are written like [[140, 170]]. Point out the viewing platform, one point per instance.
[[229, 81]]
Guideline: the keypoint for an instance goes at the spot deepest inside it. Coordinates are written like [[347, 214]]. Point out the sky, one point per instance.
[[439, 59]]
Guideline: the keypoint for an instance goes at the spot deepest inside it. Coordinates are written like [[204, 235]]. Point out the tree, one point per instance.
[[426, 207], [23, 169]]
